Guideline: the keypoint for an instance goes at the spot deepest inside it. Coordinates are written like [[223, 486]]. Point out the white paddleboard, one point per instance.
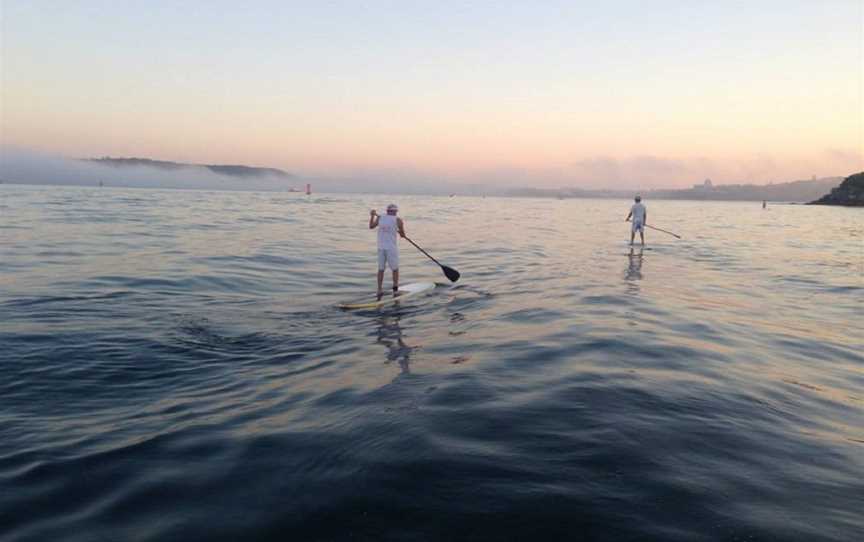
[[404, 292]]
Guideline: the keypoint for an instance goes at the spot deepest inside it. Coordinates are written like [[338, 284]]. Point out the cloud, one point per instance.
[[759, 167], [638, 172], [643, 172], [846, 159]]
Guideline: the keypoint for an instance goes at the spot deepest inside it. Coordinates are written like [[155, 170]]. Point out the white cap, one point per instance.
[[393, 207]]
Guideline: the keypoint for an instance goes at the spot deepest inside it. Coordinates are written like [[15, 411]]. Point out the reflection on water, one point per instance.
[[390, 336], [633, 273], [634, 264]]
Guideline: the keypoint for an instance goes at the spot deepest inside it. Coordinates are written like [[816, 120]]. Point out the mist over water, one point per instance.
[[21, 166], [28, 167], [175, 368]]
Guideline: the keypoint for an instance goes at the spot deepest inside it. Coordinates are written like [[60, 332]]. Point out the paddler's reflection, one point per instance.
[[390, 335], [634, 265]]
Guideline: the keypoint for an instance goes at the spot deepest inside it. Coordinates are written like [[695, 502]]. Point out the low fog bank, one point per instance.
[[386, 184], [22, 166]]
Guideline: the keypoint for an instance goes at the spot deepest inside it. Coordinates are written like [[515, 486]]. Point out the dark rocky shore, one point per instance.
[[849, 193]]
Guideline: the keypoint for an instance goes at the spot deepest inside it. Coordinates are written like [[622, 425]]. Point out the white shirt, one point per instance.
[[388, 228], [638, 211]]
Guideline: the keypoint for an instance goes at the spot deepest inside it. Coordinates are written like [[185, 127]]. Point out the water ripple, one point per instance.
[[175, 368]]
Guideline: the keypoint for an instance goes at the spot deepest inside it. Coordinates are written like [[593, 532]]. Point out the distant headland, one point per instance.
[[228, 170], [850, 193]]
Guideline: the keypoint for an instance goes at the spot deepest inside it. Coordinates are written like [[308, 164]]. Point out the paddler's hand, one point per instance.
[[373, 212]]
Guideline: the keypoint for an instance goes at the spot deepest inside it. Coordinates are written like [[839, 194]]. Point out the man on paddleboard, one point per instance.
[[388, 248], [640, 215]]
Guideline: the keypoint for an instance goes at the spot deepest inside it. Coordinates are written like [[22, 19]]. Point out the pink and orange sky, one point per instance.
[[561, 93]]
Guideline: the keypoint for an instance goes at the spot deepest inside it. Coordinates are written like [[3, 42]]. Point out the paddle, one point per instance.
[[451, 273], [664, 231], [658, 229]]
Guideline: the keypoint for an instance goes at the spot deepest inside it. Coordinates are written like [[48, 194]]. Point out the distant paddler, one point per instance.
[[639, 214], [388, 226]]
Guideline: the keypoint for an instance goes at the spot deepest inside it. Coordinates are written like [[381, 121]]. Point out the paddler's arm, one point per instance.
[[628, 216], [373, 219], [401, 226]]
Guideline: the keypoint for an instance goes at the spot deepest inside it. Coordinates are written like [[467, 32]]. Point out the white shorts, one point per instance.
[[388, 256], [637, 226]]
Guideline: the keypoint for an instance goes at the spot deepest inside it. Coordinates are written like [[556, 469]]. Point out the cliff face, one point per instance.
[[849, 193]]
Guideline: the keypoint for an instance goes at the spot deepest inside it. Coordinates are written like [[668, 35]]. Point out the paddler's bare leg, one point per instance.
[[395, 280], [380, 283]]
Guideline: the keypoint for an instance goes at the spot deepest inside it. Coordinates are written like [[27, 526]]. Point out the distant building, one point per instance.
[[706, 186]]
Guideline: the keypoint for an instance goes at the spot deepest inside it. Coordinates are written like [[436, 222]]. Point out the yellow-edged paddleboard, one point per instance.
[[405, 292]]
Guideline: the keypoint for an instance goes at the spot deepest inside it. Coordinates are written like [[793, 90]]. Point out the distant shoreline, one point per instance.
[[795, 191], [161, 174], [622, 196]]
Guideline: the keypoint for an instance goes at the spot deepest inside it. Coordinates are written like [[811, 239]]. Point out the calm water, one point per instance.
[[173, 368]]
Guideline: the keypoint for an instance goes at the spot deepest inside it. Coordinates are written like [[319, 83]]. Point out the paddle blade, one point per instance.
[[451, 273]]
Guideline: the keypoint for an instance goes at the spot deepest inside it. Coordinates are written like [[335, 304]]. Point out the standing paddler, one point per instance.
[[388, 226], [640, 215]]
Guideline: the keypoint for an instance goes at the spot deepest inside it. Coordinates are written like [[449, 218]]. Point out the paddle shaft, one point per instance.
[[664, 231], [658, 229], [423, 251]]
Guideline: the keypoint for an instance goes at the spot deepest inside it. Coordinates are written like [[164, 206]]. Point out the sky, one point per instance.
[[589, 94]]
